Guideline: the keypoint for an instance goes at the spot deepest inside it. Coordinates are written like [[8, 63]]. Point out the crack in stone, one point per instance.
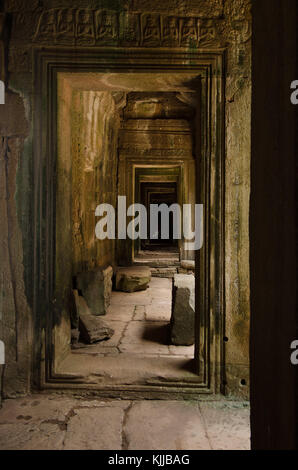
[[205, 427], [68, 417], [123, 334], [125, 439]]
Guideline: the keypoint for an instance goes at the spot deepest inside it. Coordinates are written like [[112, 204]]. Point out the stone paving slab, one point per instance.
[[120, 312], [226, 425], [158, 311], [180, 426], [96, 429], [134, 298], [139, 332], [53, 422]]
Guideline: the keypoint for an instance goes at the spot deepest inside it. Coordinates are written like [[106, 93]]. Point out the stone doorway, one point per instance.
[[127, 336], [74, 251], [159, 193]]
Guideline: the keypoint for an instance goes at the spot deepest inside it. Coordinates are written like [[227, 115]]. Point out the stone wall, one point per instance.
[[15, 312], [192, 24], [95, 123]]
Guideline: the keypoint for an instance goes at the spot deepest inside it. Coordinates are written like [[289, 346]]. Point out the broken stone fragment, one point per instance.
[[133, 279], [92, 329], [183, 310], [96, 287]]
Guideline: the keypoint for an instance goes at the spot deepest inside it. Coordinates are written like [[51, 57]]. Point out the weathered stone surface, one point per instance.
[[139, 298], [183, 310], [91, 27], [188, 264], [75, 334], [96, 287], [159, 311], [13, 120], [62, 337], [133, 279], [164, 272], [15, 312], [180, 426], [50, 422], [227, 424], [92, 329], [119, 312], [95, 429], [234, 28]]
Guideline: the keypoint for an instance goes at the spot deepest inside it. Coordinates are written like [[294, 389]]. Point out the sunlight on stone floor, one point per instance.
[[140, 349]]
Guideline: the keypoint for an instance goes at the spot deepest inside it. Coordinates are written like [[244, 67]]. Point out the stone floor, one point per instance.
[[140, 349], [53, 422]]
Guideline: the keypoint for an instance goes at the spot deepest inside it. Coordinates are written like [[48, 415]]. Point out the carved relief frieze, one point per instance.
[[189, 32], [170, 31], [66, 26], [21, 5], [130, 30], [150, 30], [84, 27], [106, 27]]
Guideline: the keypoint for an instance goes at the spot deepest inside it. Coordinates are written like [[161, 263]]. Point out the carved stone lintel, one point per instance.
[[106, 27], [21, 5]]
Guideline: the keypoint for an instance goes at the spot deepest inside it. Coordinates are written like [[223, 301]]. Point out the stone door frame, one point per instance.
[[139, 178], [210, 317]]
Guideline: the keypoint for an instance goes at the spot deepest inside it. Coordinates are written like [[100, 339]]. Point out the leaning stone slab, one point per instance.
[[133, 279], [96, 287], [92, 329], [183, 310]]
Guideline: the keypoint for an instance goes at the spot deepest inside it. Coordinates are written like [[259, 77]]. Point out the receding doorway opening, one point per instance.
[[109, 161]]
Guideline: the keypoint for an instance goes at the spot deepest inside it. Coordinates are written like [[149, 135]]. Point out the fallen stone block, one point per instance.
[[133, 279], [92, 329], [183, 310], [96, 288]]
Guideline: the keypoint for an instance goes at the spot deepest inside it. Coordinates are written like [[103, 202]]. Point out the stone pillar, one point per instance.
[[183, 310]]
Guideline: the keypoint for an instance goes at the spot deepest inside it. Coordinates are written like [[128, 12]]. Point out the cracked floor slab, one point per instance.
[[54, 422]]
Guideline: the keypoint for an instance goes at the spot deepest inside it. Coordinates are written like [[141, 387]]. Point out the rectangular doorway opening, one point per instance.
[[143, 136]]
